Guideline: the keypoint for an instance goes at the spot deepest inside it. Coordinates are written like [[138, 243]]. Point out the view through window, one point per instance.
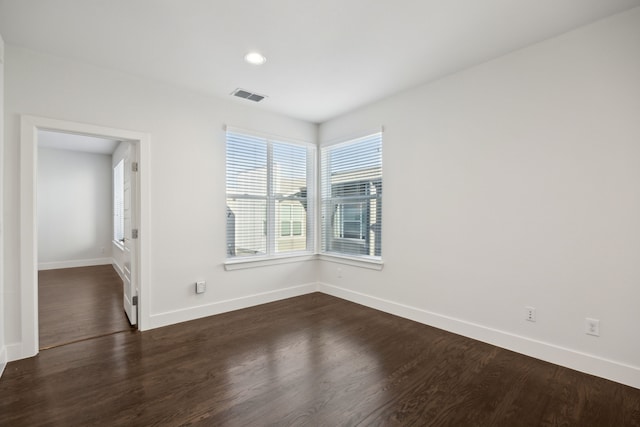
[[352, 197], [268, 211]]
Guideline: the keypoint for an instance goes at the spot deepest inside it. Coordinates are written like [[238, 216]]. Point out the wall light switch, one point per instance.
[[201, 287]]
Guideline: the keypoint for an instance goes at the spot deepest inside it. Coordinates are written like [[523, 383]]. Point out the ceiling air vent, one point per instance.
[[241, 93]]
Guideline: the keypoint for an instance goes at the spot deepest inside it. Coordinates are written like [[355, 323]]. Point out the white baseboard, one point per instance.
[[192, 313], [590, 364], [117, 268], [587, 363], [14, 352], [74, 263], [3, 359]]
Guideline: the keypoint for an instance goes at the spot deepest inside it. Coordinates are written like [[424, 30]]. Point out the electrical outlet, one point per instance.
[[592, 327], [339, 272], [201, 287], [530, 314]]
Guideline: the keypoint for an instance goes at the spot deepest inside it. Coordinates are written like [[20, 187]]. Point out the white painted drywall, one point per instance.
[[516, 183], [187, 184], [74, 208]]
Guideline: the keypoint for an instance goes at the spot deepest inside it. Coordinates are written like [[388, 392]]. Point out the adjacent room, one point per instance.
[[320, 213], [80, 238]]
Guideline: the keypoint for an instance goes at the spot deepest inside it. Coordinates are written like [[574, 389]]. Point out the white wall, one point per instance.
[[74, 208], [524, 190], [187, 187]]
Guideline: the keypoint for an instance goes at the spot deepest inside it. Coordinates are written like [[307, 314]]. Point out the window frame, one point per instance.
[[118, 208], [354, 192], [272, 225]]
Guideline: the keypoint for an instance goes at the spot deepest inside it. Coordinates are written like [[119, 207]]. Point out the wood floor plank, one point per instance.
[[313, 360], [79, 303]]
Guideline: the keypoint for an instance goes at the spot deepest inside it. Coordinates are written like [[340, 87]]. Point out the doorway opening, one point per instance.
[[32, 129], [80, 255]]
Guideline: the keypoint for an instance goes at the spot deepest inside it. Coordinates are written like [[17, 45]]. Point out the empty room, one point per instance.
[[331, 213]]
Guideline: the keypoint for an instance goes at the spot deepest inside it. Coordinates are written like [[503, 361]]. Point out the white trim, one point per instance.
[[28, 237], [144, 240], [191, 313], [3, 349], [117, 268], [312, 189], [362, 261], [252, 262], [15, 351], [73, 263], [29, 127], [3, 359], [587, 363]]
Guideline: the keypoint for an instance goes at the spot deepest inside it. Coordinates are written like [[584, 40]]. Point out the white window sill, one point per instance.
[[242, 263], [118, 244], [363, 262]]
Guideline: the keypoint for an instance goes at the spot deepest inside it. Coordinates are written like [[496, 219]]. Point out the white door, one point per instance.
[[130, 242]]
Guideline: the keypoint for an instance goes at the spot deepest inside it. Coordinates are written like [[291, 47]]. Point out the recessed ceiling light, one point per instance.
[[255, 58]]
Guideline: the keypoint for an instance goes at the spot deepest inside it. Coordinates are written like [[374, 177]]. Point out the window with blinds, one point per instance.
[[351, 192], [268, 211], [118, 202]]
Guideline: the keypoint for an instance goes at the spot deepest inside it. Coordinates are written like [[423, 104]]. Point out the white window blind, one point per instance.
[[118, 202], [268, 211], [351, 192]]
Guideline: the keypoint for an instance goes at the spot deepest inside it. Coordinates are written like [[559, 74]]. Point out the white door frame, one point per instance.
[[29, 127]]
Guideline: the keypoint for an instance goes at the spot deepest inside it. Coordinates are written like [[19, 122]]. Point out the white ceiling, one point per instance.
[[73, 142], [324, 57]]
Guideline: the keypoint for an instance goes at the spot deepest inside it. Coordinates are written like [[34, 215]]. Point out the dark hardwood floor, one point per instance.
[[79, 303], [313, 360]]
